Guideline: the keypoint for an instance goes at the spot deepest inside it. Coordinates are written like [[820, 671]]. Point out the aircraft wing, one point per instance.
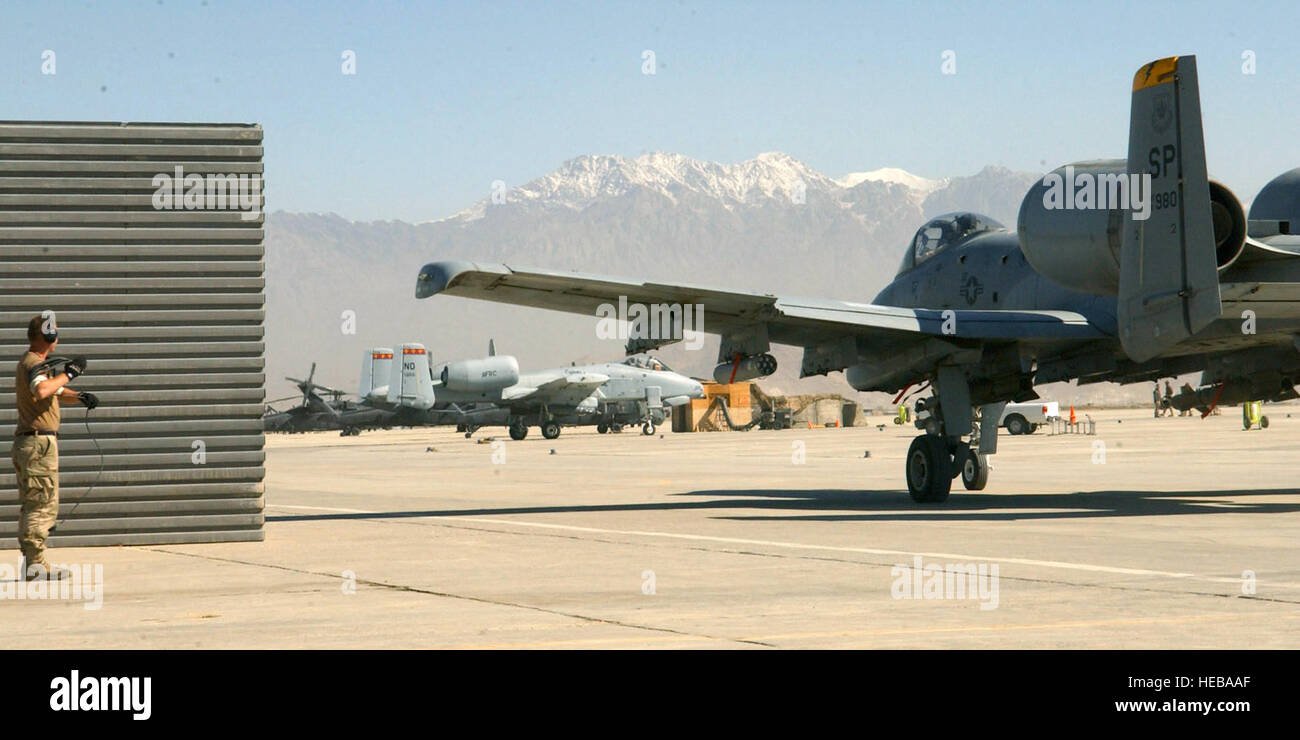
[[567, 389], [1265, 280], [833, 333]]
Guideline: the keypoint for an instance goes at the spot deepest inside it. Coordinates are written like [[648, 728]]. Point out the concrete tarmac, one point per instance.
[[1154, 533]]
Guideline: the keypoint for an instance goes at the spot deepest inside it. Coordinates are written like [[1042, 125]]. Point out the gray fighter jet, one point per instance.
[[1102, 282], [492, 391]]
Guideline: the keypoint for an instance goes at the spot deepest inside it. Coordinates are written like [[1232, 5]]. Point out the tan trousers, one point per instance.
[[36, 461]]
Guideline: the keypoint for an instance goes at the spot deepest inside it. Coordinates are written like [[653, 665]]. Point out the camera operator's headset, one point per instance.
[[50, 335]]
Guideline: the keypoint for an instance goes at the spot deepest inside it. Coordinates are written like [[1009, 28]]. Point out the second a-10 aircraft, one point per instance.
[[492, 391], [978, 314]]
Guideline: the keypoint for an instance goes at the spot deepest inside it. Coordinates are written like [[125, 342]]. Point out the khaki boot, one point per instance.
[[43, 571]]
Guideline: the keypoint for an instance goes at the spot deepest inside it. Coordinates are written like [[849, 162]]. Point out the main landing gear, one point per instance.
[[550, 427]]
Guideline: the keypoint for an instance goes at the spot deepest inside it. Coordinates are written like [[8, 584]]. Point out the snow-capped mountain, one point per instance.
[[585, 180], [919, 185], [771, 223]]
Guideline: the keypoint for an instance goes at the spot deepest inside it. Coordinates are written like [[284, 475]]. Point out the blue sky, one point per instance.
[[449, 97]]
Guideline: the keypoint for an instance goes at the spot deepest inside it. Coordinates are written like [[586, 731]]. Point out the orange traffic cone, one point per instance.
[[1072, 419]]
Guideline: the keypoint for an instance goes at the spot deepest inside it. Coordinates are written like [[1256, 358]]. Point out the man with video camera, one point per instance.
[[40, 381]]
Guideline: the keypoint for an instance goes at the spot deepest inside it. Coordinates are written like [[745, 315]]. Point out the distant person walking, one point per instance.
[[1155, 399]]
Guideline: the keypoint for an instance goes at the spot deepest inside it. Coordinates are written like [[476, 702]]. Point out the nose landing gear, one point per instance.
[[929, 469], [937, 457]]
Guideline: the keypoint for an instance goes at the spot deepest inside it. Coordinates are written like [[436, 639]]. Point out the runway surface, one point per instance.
[[1154, 533]]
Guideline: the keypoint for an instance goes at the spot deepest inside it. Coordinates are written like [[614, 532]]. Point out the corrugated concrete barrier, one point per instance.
[[165, 296]]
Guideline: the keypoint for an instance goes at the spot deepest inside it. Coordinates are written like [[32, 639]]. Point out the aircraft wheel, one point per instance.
[[518, 431], [550, 430], [929, 469], [1017, 424], [648, 429], [974, 470], [616, 428], [602, 428]]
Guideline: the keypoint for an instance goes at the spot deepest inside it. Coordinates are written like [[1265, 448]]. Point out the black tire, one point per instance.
[[929, 469], [602, 428], [648, 429], [1017, 424], [974, 470], [550, 430], [1263, 422], [616, 428], [518, 431]]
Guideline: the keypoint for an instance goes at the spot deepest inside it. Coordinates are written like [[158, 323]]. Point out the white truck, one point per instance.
[[1025, 418]]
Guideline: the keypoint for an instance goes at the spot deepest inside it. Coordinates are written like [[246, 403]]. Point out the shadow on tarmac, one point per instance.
[[847, 505]]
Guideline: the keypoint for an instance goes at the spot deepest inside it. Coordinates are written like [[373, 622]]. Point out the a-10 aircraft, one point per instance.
[[1087, 290], [492, 391]]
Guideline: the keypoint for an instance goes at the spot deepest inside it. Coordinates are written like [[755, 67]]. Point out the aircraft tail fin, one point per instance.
[[1169, 284], [411, 379], [376, 367]]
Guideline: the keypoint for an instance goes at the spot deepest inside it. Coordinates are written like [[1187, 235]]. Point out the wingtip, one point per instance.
[[436, 277]]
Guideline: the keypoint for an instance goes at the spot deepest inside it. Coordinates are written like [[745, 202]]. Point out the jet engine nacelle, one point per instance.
[[757, 366], [488, 374], [1071, 224], [1280, 201]]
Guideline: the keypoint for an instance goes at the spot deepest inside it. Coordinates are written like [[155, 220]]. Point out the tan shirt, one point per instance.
[[33, 414]]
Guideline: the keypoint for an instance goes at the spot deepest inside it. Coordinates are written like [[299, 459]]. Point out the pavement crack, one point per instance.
[[464, 597], [821, 558]]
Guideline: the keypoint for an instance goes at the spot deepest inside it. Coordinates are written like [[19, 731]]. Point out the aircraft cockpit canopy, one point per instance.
[[646, 362], [941, 232]]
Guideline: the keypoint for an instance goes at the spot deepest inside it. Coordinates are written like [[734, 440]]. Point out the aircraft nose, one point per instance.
[[697, 390]]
